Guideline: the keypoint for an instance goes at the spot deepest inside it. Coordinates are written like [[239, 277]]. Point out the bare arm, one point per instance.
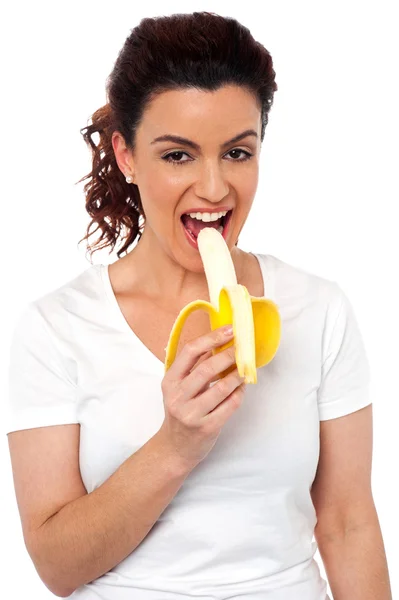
[[348, 532], [89, 535], [356, 564], [74, 537]]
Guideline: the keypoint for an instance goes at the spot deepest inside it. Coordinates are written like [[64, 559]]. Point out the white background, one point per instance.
[[326, 201]]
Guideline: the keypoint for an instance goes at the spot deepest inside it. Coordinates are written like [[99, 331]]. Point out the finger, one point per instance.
[[207, 373], [202, 358], [223, 411], [193, 351], [209, 400]]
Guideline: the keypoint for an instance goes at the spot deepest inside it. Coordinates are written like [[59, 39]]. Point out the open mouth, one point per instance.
[[191, 232]]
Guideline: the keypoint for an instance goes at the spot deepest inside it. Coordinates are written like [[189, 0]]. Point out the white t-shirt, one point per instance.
[[242, 523]]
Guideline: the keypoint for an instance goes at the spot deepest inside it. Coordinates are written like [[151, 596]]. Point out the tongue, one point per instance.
[[195, 225]]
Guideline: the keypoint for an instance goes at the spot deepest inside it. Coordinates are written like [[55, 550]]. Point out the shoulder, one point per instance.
[[54, 309], [294, 285]]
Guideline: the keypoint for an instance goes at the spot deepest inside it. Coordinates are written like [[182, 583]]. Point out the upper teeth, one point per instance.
[[206, 216]]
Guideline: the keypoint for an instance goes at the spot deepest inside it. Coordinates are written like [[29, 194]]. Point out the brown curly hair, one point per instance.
[[202, 50]]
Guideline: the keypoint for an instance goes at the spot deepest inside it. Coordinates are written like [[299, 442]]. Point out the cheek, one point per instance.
[[245, 179], [246, 190], [154, 194], [160, 183], [160, 194], [252, 180]]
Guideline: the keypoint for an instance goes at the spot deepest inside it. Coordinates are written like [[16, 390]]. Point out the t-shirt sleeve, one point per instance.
[[40, 392], [345, 373]]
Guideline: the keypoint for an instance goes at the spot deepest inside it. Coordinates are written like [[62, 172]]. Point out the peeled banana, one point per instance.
[[256, 321]]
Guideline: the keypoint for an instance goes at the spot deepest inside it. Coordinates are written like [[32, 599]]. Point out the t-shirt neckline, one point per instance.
[[268, 292], [121, 320]]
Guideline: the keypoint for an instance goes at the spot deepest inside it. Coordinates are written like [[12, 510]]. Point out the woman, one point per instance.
[[136, 484]]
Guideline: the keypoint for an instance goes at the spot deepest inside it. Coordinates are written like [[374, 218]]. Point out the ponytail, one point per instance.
[[110, 200]]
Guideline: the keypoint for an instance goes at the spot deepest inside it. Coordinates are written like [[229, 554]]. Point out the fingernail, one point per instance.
[[228, 330]]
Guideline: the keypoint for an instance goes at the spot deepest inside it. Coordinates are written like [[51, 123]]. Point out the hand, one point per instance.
[[195, 412]]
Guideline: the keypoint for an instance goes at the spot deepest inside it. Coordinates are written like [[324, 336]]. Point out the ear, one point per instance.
[[123, 155]]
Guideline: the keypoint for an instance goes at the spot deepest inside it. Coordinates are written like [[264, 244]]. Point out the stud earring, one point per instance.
[[129, 179]]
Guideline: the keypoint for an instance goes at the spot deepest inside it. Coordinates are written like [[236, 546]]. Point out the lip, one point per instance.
[[193, 242]]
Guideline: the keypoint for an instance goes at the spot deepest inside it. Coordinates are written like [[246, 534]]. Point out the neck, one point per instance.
[[162, 278]]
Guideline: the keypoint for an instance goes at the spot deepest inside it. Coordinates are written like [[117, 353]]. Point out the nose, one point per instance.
[[212, 184]]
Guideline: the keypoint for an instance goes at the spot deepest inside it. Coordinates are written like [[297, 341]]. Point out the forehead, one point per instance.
[[225, 111]]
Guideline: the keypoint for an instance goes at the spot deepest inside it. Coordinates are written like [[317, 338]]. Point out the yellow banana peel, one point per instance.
[[256, 320]]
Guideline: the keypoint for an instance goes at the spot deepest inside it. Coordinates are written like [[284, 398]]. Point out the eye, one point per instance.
[[167, 157], [247, 155], [176, 162]]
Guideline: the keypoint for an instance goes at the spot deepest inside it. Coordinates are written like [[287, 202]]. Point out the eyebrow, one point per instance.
[[184, 141]]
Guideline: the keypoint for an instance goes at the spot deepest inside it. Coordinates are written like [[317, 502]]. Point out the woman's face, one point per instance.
[[175, 178]]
